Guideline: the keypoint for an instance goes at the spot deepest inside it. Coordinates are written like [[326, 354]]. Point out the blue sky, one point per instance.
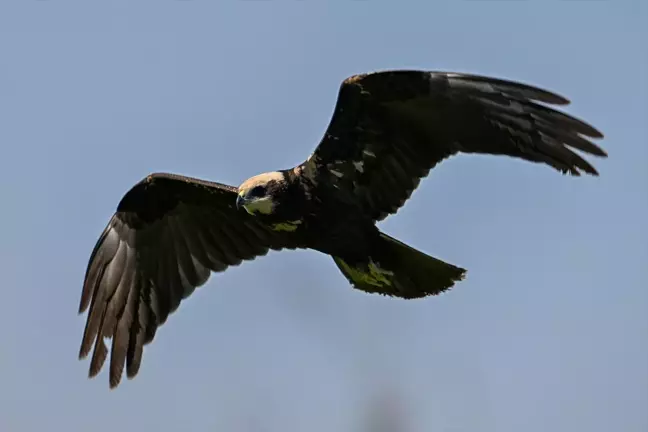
[[548, 332]]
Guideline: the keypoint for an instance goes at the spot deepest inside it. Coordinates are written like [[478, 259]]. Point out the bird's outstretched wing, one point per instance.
[[168, 234], [390, 128]]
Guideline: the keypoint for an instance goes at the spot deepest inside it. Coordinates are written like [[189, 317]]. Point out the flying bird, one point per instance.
[[387, 131]]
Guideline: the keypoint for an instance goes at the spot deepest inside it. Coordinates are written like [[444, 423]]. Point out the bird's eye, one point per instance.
[[257, 191]]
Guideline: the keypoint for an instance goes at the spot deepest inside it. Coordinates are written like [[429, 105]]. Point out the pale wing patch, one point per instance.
[[342, 171], [289, 226]]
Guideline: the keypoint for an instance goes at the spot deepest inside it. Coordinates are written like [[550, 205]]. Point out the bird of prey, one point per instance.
[[387, 131]]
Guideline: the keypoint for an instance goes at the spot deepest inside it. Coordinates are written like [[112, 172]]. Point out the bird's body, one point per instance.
[[388, 130], [320, 218]]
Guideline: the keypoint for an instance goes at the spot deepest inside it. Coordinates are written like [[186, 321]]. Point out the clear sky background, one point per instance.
[[549, 332]]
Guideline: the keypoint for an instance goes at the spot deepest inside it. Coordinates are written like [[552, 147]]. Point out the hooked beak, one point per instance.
[[240, 201]]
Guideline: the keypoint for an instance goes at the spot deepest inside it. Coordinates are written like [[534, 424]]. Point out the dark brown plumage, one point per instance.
[[387, 131], [168, 234], [399, 124]]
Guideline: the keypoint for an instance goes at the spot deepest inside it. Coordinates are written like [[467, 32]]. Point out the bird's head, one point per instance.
[[259, 194]]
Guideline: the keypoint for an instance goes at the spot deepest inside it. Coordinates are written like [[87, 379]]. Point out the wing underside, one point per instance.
[[168, 235], [389, 129]]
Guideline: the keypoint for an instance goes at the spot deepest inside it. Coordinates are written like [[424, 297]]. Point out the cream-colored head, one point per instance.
[[256, 194]]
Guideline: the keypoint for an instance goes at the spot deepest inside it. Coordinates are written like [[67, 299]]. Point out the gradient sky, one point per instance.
[[549, 332]]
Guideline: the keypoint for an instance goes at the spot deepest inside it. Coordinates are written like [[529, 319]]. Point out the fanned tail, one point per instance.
[[398, 270]]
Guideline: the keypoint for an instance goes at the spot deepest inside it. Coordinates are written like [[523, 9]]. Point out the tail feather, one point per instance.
[[398, 270]]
